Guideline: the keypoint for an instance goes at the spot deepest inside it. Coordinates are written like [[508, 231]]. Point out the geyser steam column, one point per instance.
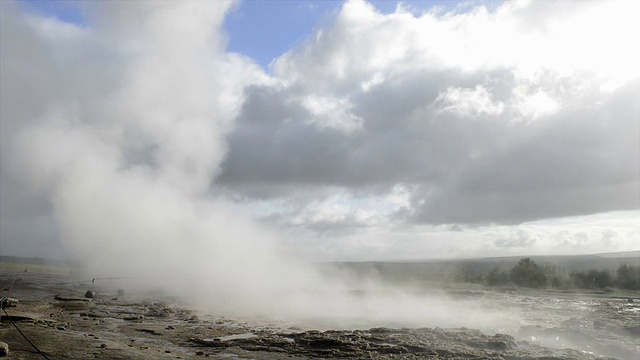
[[128, 172], [173, 98]]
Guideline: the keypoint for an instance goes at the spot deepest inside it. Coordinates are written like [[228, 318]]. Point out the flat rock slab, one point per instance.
[[70, 297], [150, 331], [17, 316]]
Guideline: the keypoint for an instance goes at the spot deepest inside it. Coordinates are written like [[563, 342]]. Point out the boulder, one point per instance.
[[501, 342], [90, 294], [9, 302], [4, 349]]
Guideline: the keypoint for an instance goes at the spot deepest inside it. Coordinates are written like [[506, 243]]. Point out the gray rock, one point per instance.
[[70, 297], [90, 294], [4, 349], [9, 302]]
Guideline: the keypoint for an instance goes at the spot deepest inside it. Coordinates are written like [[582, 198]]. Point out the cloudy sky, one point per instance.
[[356, 130]]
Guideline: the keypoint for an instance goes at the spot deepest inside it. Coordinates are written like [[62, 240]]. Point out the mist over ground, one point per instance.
[[136, 143]]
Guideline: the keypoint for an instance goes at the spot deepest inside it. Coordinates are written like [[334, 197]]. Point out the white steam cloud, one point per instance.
[[128, 173]]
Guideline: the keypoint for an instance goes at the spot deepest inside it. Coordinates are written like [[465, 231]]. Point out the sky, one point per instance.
[[338, 130]]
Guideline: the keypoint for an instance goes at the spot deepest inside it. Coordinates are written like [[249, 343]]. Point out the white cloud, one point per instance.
[[563, 39], [468, 102], [418, 85], [578, 235], [536, 105], [332, 112], [375, 80]]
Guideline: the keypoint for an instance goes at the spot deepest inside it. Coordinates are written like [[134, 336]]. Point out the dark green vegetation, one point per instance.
[[590, 272], [528, 273]]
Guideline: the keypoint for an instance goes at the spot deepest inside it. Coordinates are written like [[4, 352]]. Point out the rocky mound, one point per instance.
[[384, 343]]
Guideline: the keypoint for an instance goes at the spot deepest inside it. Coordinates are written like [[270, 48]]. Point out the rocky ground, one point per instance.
[[55, 315]]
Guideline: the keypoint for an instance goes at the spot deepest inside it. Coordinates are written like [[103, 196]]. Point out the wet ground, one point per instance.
[[54, 314], [603, 324]]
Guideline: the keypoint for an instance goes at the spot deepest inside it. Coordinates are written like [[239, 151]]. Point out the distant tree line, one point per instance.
[[528, 273]]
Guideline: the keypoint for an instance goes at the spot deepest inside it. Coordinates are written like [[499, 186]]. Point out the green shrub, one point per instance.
[[497, 277], [593, 278], [527, 273], [628, 277]]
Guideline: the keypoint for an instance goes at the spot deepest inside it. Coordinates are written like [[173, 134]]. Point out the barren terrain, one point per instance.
[[54, 314]]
